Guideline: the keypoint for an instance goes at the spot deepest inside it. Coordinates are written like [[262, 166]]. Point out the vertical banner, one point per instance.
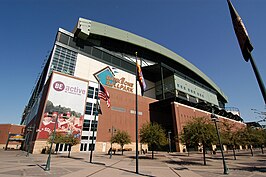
[[66, 99]]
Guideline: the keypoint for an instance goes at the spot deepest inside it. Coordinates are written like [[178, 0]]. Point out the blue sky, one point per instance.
[[201, 31]]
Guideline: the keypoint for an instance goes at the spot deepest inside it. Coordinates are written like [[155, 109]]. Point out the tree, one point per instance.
[[229, 135], [68, 139], [58, 139], [122, 138], [252, 137], [71, 140], [153, 135], [199, 131], [261, 138]]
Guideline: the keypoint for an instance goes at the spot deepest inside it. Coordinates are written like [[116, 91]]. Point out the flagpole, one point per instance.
[[93, 131], [257, 74], [245, 44], [137, 155]]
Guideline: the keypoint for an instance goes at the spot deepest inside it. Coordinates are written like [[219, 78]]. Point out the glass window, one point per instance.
[[61, 60], [88, 108], [84, 137], [107, 57], [90, 92], [81, 147], [87, 49], [127, 65], [116, 61], [65, 147], [61, 147], [96, 93], [93, 138], [94, 109], [86, 125], [94, 125], [85, 147], [96, 52], [63, 38]]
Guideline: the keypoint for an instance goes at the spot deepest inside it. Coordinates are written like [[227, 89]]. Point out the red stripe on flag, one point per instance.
[[104, 95]]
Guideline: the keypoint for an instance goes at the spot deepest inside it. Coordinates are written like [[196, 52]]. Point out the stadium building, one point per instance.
[[68, 86]]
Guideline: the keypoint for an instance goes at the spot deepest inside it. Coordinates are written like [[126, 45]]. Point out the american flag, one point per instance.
[[103, 94]]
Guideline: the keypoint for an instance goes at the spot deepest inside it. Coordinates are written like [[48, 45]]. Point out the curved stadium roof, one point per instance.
[[86, 27]]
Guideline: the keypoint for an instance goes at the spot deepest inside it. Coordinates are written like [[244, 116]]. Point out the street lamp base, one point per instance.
[[47, 168], [226, 171]]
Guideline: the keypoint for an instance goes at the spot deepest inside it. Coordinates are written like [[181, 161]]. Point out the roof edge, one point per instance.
[[85, 27]]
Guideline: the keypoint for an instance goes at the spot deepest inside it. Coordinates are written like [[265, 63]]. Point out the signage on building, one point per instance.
[[65, 102], [16, 137], [107, 77]]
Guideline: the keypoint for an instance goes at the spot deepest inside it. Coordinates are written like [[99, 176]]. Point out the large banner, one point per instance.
[[65, 102]]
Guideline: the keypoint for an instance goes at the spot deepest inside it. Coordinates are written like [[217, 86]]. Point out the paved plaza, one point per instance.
[[15, 163]]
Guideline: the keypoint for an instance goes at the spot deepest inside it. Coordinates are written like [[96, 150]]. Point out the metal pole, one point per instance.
[[111, 152], [29, 135], [162, 80], [30, 141], [214, 118], [7, 140], [47, 167], [257, 74], [93, 131], [137, 155], [169, 141]]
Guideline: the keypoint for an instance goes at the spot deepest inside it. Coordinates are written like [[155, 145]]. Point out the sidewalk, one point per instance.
[[15, 163]]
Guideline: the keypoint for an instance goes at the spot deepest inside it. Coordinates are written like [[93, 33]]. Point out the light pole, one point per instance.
[[47, 167], [169, 140], [112, 134], [30, 133], [214, 118]]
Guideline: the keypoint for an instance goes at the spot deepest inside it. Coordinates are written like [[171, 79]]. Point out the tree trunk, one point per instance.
[[152, 151], [204, 151], [262, 150], [234, 152], [122, 150], [69, 150], [251, 151]]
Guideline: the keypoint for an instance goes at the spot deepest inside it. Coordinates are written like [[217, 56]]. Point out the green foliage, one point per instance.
[[122, 138], [64, 138], [71, 140], [199, 131], [229, 136], [252, 136], [60, 138], [153, 135]]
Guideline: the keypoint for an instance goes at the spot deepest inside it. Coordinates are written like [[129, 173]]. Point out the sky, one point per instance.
[[200, 31]]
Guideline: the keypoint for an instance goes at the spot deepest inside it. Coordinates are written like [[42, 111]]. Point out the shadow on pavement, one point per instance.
[[184, 163], [129, 171], [142, 157], [75, 158], [251, 169]]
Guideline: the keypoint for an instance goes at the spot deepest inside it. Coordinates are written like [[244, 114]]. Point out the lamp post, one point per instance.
[[214, 118], [169, 140], [47, 167], [112, 134], [30, 133]]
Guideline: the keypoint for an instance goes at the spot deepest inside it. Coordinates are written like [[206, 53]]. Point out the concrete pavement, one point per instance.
[[15, 163]]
